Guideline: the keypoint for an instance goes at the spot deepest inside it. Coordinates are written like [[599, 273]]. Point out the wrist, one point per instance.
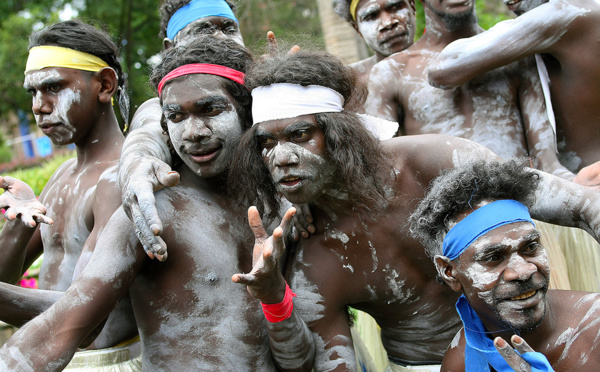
[[279, 312]]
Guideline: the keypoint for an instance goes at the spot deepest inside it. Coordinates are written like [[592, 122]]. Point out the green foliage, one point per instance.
[[37, 177], [5, 151], [294, 21]]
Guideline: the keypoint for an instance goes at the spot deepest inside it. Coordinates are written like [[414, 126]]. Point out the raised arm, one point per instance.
[[144, 168], [541, 139], [534, 32], [48, 342], [292, 344]]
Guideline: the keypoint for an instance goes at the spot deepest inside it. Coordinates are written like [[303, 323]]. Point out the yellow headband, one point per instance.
[[52, 56], [353, 6]]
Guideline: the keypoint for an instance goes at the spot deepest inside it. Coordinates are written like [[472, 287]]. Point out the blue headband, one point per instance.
[[195, 10], [480, 222]]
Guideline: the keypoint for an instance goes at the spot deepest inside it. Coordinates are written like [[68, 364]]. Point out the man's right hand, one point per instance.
[[265, 282], [19, 201], [139, 177]]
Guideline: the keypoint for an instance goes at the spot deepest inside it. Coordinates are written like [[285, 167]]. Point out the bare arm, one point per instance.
[[144, 168], [48, 342], [292, 345], [17, 241], [538, 130], [534, 32]]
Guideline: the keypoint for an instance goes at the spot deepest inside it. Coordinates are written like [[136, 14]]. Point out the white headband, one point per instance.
[[283, 101]]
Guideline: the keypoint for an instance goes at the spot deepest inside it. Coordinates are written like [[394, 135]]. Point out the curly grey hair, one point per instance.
[[456, 190]]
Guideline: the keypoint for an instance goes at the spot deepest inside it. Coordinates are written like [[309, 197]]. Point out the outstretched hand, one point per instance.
[[141, 177], [19, 201], [589, 176], [265, 281]]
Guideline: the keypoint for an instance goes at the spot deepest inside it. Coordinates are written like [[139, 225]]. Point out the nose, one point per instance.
[[40, 105], [284, 155], [196, 130], [389, 21], [519, 268]]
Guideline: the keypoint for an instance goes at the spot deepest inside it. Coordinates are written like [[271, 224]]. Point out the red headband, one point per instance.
[[202, 68]]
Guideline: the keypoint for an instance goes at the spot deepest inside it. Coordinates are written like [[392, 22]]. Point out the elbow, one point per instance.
[[442, 79]]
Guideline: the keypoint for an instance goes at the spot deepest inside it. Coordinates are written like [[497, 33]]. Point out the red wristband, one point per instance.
[[276, 313]]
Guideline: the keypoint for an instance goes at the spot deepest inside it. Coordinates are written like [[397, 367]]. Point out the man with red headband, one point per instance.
[[145, 159], [189, 313]]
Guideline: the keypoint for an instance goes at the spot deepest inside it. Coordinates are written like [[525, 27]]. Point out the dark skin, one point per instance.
[[70, 106], [387, 26], [365, 262], [570, 61], [514, 294], [502, 110], [188, 312]]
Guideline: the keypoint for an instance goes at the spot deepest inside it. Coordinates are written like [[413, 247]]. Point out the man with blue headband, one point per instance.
[[476, 226]]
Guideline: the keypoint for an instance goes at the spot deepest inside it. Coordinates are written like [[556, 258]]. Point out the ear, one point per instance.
[[167, 43], [447, 271], [109, 83]]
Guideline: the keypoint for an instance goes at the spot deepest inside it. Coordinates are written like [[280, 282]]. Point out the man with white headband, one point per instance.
[[145, 160], [387, 26], [72, 73], [190, 315], [361, 192], [476, 226]]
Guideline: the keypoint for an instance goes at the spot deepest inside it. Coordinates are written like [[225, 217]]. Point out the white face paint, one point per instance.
[[203, 123], [387, 26], [218, 27], [52, 102]]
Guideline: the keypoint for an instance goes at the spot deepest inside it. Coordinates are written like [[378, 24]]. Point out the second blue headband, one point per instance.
[[195, 10]]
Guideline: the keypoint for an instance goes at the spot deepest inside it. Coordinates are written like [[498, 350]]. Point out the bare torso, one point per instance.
[[189, 312], [487, 110]]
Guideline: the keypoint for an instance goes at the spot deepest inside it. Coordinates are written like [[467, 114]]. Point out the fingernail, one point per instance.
[[311, 229], [150, 254], [305, 235], [172, 172], [500, 342], [155, 229], [517, 340]]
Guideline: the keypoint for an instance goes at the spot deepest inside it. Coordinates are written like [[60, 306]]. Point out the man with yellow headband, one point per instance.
[[72, 73], [486, 246], [387, 26]]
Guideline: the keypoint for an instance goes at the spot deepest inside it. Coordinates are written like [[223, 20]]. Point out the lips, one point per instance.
[[47, 127], [290, 181], [524, 296], [204, 155]]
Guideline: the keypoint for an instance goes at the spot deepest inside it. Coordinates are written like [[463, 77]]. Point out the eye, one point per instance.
[[267, 143], [54, 88], [531, 247], [493, 258], [231, 30], [174, 117], [212, 110], [301, 135], [32, 92]]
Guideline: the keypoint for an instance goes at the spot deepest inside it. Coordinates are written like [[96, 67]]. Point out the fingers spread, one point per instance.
[[511, 357]]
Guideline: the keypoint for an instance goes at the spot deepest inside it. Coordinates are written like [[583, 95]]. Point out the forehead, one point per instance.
[[281, 126], [212, 20], [369, 5], [507, 235], [194, 87], [50, 75]]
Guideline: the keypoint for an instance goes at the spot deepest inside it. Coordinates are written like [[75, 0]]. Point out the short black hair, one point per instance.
[[208, 49], [456, 190], [77, 35], [169, 7]]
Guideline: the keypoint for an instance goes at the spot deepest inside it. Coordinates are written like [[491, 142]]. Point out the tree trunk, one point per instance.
[[340, 38]]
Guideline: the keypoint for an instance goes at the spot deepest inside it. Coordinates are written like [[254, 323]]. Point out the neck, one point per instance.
[[442, 32], [215, 185], [103, 142]]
